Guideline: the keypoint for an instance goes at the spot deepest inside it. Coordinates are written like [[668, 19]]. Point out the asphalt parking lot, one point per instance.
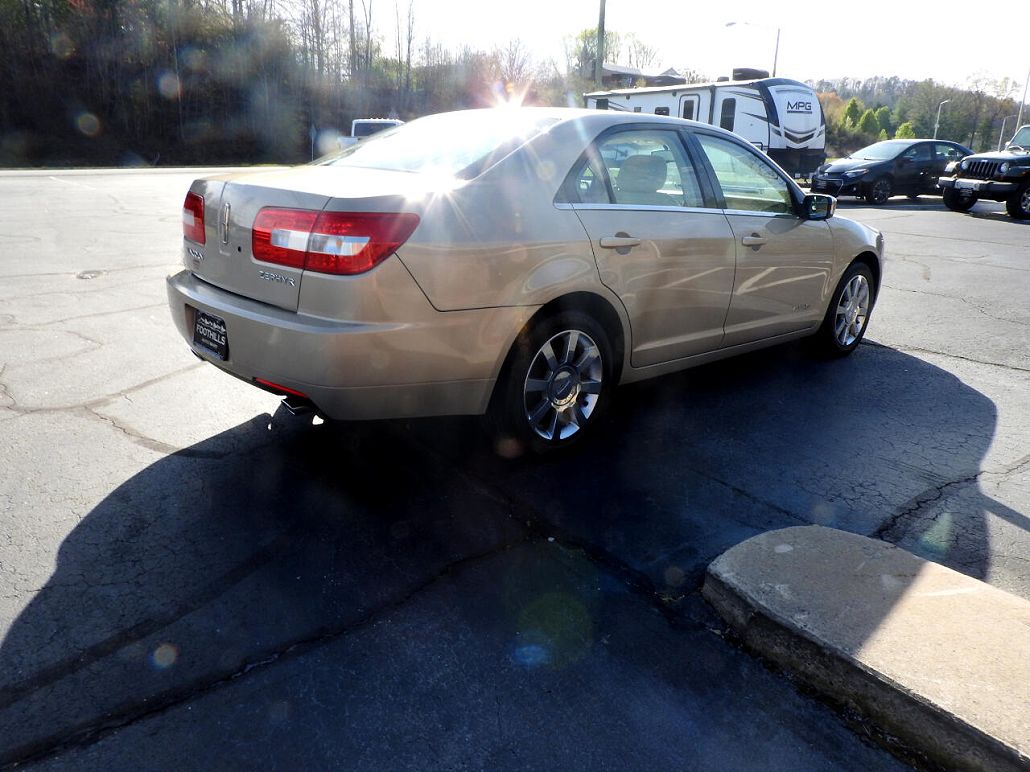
[[190, 576]]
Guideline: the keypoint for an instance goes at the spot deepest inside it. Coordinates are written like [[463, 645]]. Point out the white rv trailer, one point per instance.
[[781, 117]]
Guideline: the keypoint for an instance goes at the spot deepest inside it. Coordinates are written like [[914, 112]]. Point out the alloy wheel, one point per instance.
[[852, 311], [563, 385]]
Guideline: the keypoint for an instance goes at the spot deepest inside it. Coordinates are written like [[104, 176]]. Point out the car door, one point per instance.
[[660, 242], [944, 153], [783, 261], [914, 170]]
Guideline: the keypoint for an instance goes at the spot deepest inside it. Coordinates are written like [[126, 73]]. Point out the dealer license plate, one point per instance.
[[965, 185], [210, 334]]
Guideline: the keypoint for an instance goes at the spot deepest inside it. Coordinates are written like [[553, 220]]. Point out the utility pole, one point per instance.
[[1019, 117], [599, 62]]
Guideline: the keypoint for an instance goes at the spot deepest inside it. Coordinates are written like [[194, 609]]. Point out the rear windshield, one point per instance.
[[461, 144]]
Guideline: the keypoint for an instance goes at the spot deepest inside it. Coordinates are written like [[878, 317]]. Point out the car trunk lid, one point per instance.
[[231, 205]]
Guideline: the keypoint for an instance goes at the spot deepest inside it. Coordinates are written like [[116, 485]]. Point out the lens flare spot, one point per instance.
[[88, 124], [532, 655], [61, 45], [164, 656], [169, 86], [674, 576]]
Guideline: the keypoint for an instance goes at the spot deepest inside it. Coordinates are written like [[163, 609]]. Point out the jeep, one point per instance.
[[1002, 176]]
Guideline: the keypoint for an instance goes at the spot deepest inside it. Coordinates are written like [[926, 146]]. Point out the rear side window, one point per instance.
[[729, 110], [948, 152], [646, 168]]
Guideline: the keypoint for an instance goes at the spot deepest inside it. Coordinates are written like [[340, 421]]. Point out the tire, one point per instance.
[[550, 393], [847, 317], [1018, 204], [956, 202], [879, 190]]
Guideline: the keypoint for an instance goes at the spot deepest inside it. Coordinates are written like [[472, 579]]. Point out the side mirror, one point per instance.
[[904, 161], [818, 206]]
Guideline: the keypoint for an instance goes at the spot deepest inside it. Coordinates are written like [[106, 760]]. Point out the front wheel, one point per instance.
[[555, 385], [956, 202], [879, 191], [1018, 204], [848, 315]]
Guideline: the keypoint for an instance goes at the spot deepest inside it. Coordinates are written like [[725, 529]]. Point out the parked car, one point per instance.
[[360, 128], [1002, 176], [518, 263], [892, 167]]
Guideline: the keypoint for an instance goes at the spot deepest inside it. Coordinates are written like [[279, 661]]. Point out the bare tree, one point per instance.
[[515, 63], [640, 54]]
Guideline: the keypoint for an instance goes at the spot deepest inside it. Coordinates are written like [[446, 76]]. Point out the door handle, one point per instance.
[[754, 240], [619, 242]]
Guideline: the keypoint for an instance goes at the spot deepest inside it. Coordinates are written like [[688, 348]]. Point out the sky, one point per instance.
[[912, 39]]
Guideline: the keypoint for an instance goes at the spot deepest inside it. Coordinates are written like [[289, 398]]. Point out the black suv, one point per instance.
[[1002, 176]]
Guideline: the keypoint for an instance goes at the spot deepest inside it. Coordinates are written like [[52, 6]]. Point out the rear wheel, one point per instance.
[[1018, 204], [556, 383], [848, 315], [879, 190], [956, 202]]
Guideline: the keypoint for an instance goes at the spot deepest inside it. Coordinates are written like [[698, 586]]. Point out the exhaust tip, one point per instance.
[[297, 405]]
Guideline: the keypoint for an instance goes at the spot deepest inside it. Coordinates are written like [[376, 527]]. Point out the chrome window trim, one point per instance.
[[634, 208], [754, 213]]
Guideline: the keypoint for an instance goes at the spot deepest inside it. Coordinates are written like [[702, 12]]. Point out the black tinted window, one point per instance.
[[729, 108]]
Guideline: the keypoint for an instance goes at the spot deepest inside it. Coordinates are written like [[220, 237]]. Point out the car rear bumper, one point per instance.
[[433, 363]]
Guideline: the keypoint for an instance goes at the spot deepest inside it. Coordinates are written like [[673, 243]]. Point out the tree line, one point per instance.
[[860, 112], [142, 82]]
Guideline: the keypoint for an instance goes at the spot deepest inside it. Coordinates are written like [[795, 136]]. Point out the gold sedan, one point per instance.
[[515, 262]]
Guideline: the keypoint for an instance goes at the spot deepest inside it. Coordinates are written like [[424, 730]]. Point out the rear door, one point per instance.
[[783, 261], [660, 242], [914, 170]]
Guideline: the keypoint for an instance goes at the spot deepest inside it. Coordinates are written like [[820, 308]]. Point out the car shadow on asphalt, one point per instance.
[[259, 541]]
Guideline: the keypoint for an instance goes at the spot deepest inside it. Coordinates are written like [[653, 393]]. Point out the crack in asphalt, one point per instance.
[[150, 443], [90, 732], [536, 530], [914, 506], [163, 264], [95, 315], [976, 307], [101, 401], [918, 350]]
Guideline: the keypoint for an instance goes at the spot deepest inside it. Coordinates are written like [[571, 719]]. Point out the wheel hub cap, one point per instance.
[[563, 387]]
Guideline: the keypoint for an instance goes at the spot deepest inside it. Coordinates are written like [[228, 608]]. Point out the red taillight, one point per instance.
[[343, 243], [280, 236], [193, 218]]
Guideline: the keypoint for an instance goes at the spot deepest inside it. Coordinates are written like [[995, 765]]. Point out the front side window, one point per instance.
[[918, 153], [748, 182]]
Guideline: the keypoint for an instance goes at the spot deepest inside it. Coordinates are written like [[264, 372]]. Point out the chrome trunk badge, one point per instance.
[[223, 223]]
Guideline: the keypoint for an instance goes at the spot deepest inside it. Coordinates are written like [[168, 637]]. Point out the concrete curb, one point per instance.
[[938, 660]]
